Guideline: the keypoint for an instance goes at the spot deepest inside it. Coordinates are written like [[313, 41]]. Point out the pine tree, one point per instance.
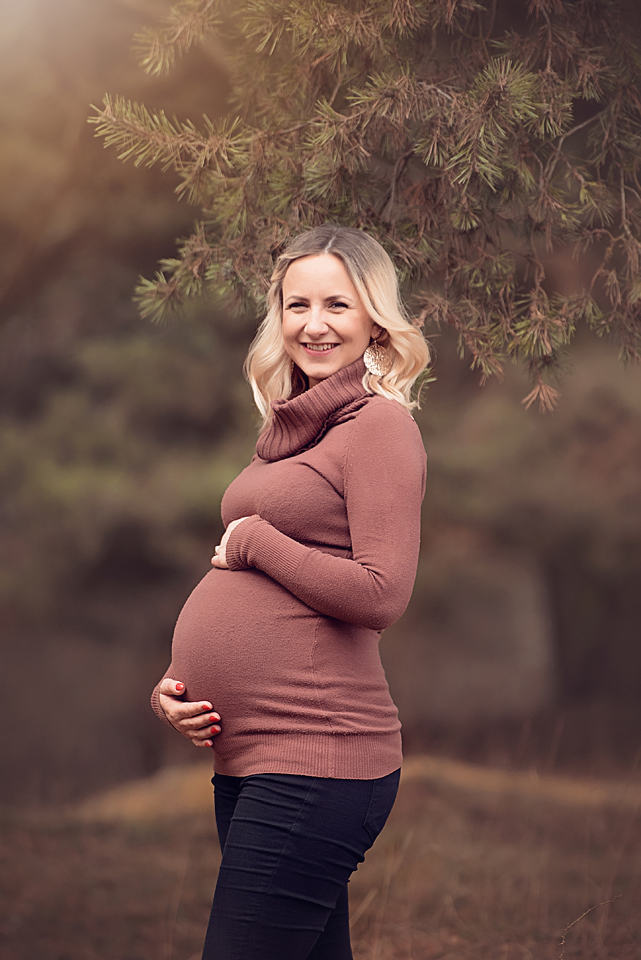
[[476, 140]]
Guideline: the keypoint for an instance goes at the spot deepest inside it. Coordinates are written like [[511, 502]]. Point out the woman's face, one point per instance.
[[325, 324]]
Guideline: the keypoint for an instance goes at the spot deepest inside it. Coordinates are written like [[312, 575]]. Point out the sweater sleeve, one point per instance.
[[384, 486], [155, 697]]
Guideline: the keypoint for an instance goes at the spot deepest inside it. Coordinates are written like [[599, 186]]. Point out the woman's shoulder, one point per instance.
[[386, 443], [382, 422], [378, 411]]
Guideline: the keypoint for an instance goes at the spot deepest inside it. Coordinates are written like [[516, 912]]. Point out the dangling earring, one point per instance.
[[377, 359]]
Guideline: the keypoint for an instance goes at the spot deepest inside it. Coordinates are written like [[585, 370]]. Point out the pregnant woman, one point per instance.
[[281, 638]]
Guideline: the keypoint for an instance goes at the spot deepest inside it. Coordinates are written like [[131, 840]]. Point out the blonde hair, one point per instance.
[[269, 368]]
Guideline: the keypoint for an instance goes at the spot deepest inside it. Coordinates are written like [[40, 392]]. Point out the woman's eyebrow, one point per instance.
[[334, 296]]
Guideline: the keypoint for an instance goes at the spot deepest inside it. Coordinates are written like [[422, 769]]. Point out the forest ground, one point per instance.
[[474, 863]]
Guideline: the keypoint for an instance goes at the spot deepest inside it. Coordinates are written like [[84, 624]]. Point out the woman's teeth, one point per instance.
[[319, 347]]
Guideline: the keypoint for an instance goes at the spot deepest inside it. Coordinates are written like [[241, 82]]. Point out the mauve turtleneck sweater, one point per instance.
[[285, 642]]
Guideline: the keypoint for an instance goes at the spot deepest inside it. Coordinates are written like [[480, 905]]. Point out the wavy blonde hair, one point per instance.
[[268, 366]]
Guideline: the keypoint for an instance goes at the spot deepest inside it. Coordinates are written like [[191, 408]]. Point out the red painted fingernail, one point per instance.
[[180, 686]]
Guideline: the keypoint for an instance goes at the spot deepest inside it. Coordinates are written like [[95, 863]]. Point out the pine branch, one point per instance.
[[554, 158], [149, 138], [187, 24], [394, 116]]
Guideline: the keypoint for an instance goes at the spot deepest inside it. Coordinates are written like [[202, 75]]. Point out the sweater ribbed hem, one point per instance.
[[336, 756]]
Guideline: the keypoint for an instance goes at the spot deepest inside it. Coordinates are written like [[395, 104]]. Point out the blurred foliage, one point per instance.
[[562, 493], [476, 140], [147, 433], [540, 482], [103, 426]]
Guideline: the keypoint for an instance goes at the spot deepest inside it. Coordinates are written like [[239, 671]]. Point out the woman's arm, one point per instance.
[[384, 487]]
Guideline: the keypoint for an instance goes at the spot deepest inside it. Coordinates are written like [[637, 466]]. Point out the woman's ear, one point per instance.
[[379, 333]]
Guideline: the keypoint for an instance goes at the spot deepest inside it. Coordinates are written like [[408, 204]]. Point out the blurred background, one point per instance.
[[117, 438]]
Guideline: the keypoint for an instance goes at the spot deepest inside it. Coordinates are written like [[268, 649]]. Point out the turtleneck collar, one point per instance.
[[302, 421]]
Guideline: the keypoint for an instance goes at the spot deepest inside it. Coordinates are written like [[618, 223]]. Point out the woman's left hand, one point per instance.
[[220, 559]]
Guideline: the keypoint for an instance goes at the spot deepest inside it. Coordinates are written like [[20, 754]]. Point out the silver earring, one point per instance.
[[377, 359]]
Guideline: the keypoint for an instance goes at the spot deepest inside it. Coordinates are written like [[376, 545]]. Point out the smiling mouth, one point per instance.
[[319, 347]]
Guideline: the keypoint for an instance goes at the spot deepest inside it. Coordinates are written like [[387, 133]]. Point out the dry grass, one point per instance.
[[471, 865], [499, 875]]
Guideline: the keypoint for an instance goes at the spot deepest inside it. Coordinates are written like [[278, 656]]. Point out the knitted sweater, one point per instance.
[[284, 644]]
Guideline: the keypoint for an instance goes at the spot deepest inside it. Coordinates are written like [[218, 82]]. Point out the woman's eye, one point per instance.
[[339, 304], [295, 306]]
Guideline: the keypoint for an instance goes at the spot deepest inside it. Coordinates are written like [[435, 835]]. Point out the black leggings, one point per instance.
[[290, 844]]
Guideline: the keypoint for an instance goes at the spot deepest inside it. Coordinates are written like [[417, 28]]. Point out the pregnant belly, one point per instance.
[[245, 643]]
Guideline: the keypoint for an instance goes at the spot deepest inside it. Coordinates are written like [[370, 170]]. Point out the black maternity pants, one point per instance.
[[290, 844]]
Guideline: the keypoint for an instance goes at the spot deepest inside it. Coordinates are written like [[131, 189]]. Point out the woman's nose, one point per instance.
[[316, 325]]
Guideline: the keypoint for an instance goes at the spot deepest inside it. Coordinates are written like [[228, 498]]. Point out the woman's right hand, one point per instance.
[[194, 720]]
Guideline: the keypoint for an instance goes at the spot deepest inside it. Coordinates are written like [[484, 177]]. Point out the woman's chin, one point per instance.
[[321, 369]]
